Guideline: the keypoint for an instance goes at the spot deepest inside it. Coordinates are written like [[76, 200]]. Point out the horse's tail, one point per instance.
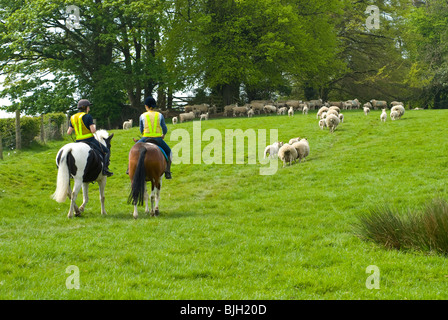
[[138, 181], [63, 180]]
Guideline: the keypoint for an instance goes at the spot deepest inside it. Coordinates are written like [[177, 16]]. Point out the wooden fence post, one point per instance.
[[18, 136], [1, 148], [42, 131]]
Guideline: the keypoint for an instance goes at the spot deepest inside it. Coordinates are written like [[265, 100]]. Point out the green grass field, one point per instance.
[[227, 232]]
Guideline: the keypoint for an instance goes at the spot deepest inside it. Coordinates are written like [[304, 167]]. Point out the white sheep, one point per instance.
[[250, 113], [204, 116], [394, 115], [383, 115], [303, 149], [282, 111], [332, 122], [323, 115], [291, 141], [175, 119], [287, 154], [186, 116], [399, 109], [291, 112], [305, 110], [335, 108], [322, 123], [332, 111], [321, 110], [127, 124], [273, 149], [366, 110], [341, 117]]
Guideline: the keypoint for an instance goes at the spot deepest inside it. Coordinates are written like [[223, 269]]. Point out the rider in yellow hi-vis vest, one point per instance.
[[84, 128], [153, 129]]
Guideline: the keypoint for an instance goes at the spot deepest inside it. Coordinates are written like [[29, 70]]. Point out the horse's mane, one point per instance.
[[101, 135]]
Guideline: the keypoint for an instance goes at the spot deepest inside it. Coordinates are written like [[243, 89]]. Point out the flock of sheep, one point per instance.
[[329, 115]]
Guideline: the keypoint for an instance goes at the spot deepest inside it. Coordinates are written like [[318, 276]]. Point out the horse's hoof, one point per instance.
[[157, 212]]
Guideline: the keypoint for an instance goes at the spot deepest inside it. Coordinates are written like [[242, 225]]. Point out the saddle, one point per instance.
[[152, 141]]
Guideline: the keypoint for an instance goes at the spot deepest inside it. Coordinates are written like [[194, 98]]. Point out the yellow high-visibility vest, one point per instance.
[[81, 131], [151, 124]]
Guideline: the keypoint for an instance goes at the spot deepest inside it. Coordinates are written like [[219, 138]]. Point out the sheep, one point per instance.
[[250, 113], [291, 111], [127, 124], [396, 103], [339, 104], [295, 104], [303, 149], [378, 104], [287, 153], [204, 116], [273, 149], [383, 115], [239, 111], [229, 109], [394, 115], [366, 110], [332, 111], [332, 122], [323, 115], [322, 124], [269, 108], [341, 117], [399, 109], [305, 109], [282, 111], [186, 116], [257, 106], [212, 109], [291, 141], [337, 109], [321, 110], [175, 119]]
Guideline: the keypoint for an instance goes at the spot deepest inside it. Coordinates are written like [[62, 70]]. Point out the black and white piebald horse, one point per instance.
[[82, 163]]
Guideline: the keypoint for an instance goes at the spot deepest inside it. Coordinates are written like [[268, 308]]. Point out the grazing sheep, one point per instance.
[[321, 110], [399, 109], [366, 110], [367, 105], [175, 119], [339, 104], [257, 106], [287, 153], [269, 108], [127, 124], [323, 115], [396, 103], [332, 111], [295, 104], [239, 111], [282, 111], [291, 111], [273, 149], [303, 149], [337, 109], [212, 109], [186, 116], [394, 115], [332, 122], [383, 115], [376, 104], [341, 117], [228, 110], [291, 141], [204, 116], [250, 113], [322, 123]]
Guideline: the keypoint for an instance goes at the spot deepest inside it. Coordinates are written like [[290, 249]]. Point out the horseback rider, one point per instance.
[[82, 124], [153, 129]]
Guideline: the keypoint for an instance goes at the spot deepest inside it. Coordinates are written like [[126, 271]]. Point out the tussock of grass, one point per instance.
[[424, 229]]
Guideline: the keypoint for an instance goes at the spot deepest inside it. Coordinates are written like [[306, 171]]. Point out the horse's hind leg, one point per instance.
[[85, 198], [102, 186], [146, 199], [153, 190], [74, 195], [157, 197]]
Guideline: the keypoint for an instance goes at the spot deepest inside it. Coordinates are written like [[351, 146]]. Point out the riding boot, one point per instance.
[[167, 170], [106, 171]]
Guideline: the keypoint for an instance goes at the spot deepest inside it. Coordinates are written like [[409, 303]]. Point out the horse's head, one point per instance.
[[104, 138]]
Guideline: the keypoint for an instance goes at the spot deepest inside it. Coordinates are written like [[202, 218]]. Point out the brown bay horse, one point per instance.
[[146, 163]]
